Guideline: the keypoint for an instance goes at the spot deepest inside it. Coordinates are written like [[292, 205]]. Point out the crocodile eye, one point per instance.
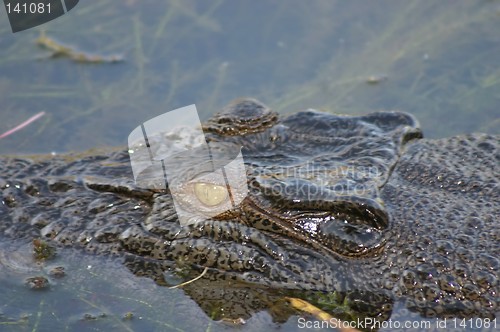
[[210, 194]]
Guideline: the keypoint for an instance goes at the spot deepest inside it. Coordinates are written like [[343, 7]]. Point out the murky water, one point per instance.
[[435, 60], [438, 60]]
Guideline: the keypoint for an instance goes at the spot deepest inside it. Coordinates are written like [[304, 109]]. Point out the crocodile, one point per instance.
[[362, 207]]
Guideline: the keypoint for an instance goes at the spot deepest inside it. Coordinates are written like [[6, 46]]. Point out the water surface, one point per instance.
[[438, 60]]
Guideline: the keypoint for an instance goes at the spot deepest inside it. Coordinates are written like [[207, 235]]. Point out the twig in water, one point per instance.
[[190, 281], [22, 125], [59, 50]]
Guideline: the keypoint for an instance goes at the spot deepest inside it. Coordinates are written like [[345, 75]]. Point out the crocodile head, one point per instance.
[[335, 204], [314, 182]]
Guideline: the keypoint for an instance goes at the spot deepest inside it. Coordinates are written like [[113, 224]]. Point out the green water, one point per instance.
[[439, 60]]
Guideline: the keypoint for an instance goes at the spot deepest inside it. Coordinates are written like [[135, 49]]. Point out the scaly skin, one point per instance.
[[353, 205]]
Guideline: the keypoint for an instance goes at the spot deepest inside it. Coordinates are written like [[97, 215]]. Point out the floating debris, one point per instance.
[[190, 281], [57, 272], [376, 79], [233, 321], [59, 50], [22, 125], [90, 317], [128, 316], [37, 283], [42, 250]]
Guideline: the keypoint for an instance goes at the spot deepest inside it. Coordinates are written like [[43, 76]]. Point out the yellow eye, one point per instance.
[[210, 194]]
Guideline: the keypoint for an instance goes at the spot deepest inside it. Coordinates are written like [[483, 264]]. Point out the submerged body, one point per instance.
[[354, 205]]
